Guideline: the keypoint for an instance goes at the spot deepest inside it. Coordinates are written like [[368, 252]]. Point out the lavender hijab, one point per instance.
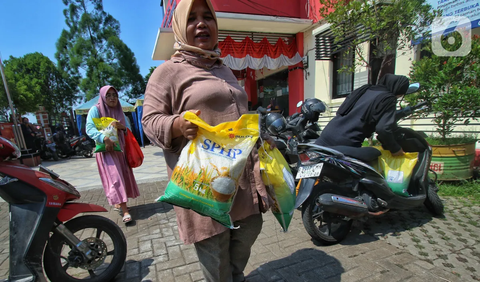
[[106, 111]]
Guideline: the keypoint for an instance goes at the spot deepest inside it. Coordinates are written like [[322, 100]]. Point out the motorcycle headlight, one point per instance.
[[61, 186]]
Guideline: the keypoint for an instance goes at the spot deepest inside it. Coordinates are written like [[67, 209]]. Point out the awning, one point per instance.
[[248, 54], [163, 48]]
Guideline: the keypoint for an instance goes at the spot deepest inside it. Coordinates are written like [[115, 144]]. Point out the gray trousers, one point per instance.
[[223, 257]]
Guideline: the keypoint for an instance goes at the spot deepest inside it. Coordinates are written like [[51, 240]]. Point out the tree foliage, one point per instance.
[[389, 25], [91, 49], [450, 84], [34, 80]]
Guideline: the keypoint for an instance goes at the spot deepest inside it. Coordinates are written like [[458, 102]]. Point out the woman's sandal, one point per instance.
[[127, 218]]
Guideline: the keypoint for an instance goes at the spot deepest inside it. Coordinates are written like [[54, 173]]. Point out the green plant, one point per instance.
[[389, 27], [469, 189], [450, 84]]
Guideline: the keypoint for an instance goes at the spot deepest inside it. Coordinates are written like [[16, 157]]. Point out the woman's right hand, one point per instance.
[[108, 144], [182, 127]]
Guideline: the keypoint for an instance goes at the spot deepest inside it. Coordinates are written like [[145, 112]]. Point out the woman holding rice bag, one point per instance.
[[195, 79], [117, 177]]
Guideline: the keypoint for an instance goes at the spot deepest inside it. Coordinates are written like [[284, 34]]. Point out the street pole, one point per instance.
[[15, 124]]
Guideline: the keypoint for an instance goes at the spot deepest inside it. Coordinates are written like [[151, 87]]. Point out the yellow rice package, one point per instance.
[[397, 170], [280, 184], [206, 176], [104, 125]]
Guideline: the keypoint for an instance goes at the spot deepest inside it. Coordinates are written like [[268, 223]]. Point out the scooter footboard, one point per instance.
[[70, 210]]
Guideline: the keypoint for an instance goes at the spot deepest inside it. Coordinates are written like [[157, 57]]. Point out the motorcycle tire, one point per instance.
[[88, 151], [58, 255], [44, 156], [336, 228], [55, 155], [433, 202]]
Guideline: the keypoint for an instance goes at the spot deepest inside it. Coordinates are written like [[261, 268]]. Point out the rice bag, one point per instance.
[[397, 170], [104, 125], [206, 176], [280, 183]]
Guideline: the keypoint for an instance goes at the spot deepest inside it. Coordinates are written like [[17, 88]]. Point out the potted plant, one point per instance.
[[451, 85]]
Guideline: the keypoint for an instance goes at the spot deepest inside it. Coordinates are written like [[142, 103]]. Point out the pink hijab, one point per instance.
[[106, 111]]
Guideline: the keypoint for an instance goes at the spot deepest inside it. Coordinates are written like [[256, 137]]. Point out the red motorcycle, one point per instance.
[[43, 235]]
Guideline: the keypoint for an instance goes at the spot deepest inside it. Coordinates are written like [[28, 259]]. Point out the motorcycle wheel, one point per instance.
[[326, 227], [44, 156], [88, 151], [61, 263], [55, 155], [433, 202]]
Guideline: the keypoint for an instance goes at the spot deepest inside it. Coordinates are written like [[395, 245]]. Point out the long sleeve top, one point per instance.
[[351, 130], [177, 86], [92, 131]]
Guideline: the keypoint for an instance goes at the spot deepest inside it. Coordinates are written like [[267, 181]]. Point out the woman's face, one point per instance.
[[202, 29], [111, 98]]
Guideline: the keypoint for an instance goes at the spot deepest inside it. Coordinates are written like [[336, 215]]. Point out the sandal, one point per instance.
[[127, 218]]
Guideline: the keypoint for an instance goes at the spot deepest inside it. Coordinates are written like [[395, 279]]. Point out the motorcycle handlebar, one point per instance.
[[408, 110], [261, 110]]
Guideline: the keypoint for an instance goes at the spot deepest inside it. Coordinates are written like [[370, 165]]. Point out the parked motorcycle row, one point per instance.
[[75, 146], [61, 146], [336, 186]]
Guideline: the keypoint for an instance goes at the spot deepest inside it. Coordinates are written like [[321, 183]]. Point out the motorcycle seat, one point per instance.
[[365, 154]]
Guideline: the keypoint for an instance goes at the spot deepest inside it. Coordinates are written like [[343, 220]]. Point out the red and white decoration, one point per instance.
[[248, 54]]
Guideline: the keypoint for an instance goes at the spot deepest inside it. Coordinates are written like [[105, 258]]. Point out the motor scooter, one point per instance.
[[45, 236], [301, 126], [75, 146], [46, 147], [338, 184]]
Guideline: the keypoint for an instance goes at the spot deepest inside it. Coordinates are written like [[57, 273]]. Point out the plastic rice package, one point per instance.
[[397, 170], [206, 176], [280, 183], [104, 125]]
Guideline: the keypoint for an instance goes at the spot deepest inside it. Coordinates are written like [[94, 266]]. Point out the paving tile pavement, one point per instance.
[[400, 246]]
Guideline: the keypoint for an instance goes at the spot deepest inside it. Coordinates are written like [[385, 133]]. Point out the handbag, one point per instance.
[[133, 152]]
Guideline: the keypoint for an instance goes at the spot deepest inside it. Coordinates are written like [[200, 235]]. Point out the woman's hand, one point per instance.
[[267, 138], [182, 127], [119, 125], [108, 144]]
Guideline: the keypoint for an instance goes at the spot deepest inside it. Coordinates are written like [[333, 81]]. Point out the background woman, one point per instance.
[[117, 177]]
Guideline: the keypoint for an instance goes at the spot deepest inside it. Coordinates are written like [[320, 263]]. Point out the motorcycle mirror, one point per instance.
[[412, 88], [299, 104]]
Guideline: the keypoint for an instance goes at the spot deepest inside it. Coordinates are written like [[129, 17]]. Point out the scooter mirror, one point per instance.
[[299, 104], [412, 88]]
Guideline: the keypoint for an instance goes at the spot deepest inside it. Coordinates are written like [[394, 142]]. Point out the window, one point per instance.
[[342, 81]]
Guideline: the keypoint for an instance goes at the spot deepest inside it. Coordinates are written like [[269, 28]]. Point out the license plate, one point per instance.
[[309, 171]]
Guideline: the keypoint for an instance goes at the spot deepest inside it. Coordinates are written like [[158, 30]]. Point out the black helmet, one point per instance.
[[312, 108], [275, 123]]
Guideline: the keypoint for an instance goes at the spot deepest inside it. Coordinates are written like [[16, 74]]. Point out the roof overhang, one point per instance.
[[163, 49]]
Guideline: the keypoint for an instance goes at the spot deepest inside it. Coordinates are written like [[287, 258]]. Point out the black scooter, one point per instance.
[[46, 148], [338, 185], [296, 128]]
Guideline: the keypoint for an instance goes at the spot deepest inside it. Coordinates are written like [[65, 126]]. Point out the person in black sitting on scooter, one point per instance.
[[368, 109]]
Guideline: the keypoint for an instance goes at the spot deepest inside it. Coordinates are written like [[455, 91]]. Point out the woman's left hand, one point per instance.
[[271, 142], [267, 138], [119, 125]]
